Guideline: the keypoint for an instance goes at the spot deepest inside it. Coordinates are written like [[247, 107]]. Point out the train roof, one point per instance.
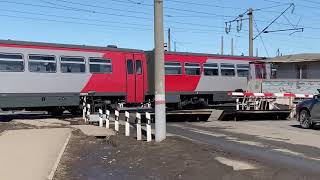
[[210, 55], [72, 46]]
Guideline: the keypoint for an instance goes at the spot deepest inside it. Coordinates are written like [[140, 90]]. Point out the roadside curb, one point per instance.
[[56, 164]]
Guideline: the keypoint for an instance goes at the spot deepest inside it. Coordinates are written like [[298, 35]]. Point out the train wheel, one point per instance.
[[56, 112], [75, 111]]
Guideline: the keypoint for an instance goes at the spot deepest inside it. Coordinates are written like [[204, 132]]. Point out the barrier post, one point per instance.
[[148, 125], [138, 118], [116, 122], [100, 118], [88, 112], [127, 115], [107, 119], [84, 109], [237, 104]]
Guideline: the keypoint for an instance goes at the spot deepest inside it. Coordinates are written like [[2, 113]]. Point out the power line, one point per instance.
[[171, 8], [206, 5], [68, 8], [74, 9], [264, 30], [265, 48], [95, 6], [74, 18], [302, 5], [117, 22], [72, 22]]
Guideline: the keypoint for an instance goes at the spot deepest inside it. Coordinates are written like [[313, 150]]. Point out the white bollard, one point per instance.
[[100, 118], [84, 108], [127, 115], [107, 119], [237, 104], [88, 112], [148, 117], [84, 111], [138, 118], [116, 122]]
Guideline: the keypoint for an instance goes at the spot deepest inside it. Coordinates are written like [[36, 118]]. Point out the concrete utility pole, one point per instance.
[[160, 98], [169, 39], [222, 45], [257, 52], [278, 52], [250, 31], [231, 46]]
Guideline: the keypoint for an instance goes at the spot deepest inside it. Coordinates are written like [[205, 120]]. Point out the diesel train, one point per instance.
[[53, 77]]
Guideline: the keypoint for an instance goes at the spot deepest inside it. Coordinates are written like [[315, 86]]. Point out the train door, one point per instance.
[[131, 85], [135, 89], [139, 78]]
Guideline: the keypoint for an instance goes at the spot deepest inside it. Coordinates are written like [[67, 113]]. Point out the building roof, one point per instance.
[[295, 58]]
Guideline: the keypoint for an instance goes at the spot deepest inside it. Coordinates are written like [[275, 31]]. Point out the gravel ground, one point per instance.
[[5, 126], [123, 157], [120, 157]]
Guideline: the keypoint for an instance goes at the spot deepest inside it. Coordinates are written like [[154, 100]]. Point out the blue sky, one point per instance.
[[196, 25]]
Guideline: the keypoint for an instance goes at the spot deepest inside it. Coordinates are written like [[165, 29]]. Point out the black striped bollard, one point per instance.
[[88, 112], [116, 120], [138, 120], [100, 118], [127, 116], [148, 125], [107, 119], [84, 109]]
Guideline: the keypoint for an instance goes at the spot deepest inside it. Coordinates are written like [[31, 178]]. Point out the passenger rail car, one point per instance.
[[52, 77]]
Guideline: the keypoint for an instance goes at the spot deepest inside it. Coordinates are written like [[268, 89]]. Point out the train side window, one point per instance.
[[42, 63], [172, 68], [138, 67], [227, 69], [72, 64], [243, 70], [129, 66], [100, 65], [11, 62], [192, 69], [211, 69]]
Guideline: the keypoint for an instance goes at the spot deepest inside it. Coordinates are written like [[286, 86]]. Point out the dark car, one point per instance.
[[308, 112]]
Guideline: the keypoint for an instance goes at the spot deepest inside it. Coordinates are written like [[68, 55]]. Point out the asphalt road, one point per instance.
[[193, 150], [277, 144]]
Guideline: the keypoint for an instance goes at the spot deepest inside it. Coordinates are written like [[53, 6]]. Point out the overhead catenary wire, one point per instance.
[[264, 46], [168, 15], [94, 6], [75, 9], [291, 5], [176, 22], [111, 14], [194, 28]]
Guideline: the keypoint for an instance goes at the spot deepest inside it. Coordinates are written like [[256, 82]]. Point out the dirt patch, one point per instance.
[[121, 157], [5, 126]]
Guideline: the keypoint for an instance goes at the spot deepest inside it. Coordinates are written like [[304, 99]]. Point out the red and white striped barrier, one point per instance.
[[249, 94]]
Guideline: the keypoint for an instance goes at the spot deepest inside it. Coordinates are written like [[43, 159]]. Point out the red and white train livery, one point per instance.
[[45, 76]]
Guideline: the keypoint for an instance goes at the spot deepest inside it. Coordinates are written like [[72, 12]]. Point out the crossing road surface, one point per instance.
[[277, 144]]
